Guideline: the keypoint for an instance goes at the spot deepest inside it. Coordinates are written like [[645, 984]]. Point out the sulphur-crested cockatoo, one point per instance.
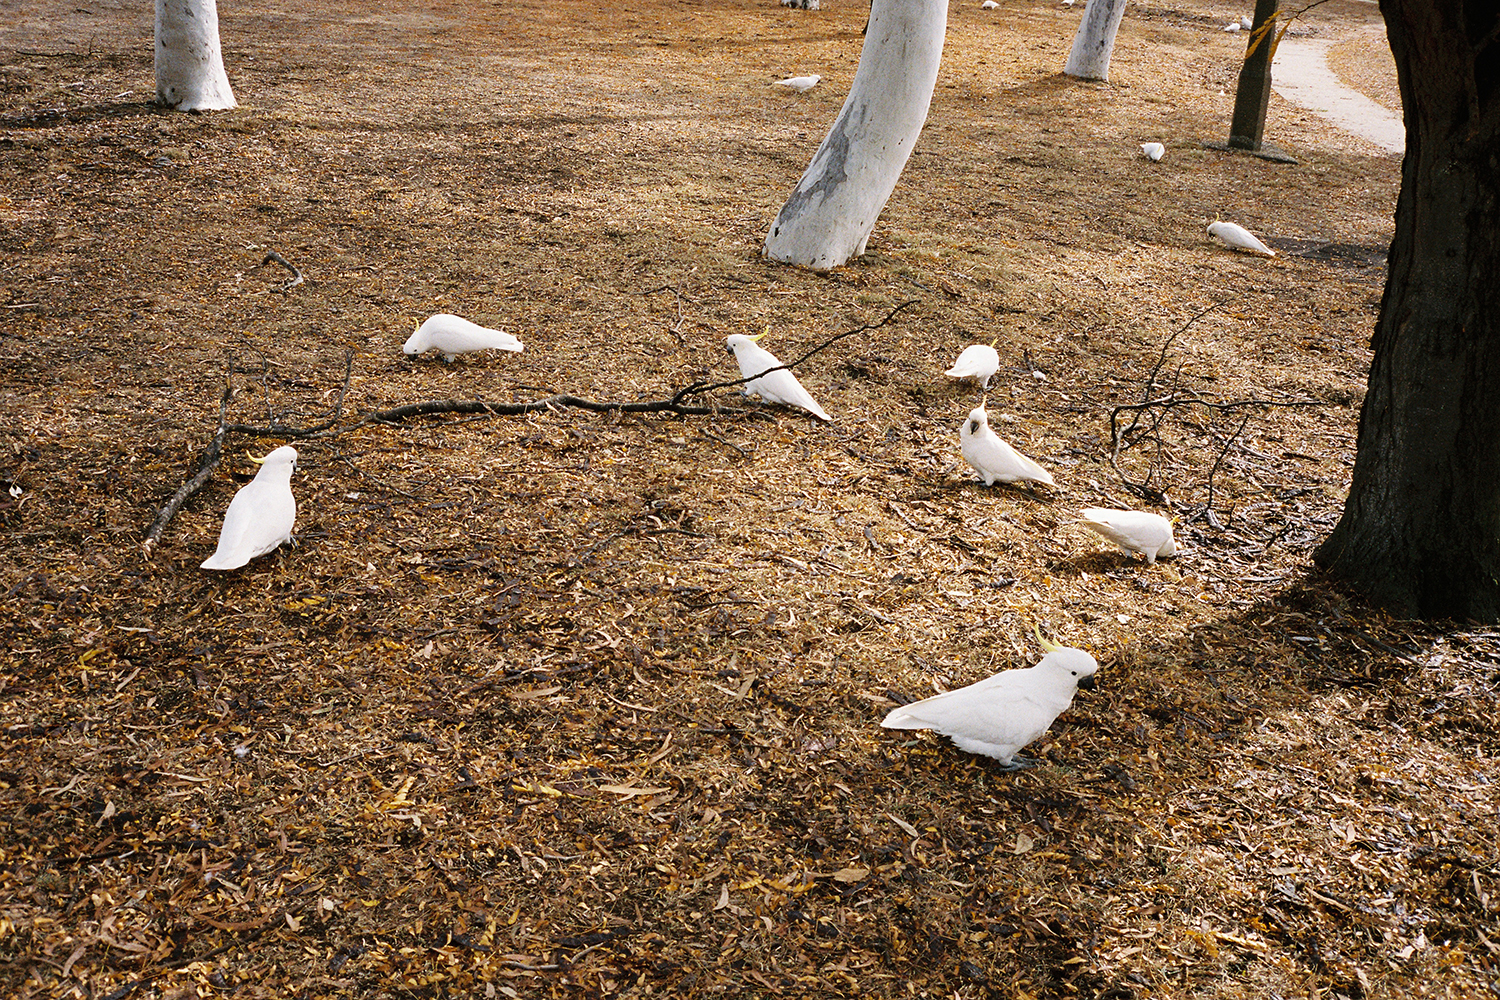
[[988, 5], [1138, 532], [454, 335], [1245, 22], [992, 458], [999, 715], [1153, 150], [978, 362], [1232, 26], [801, 84], [1239, 237], [261, 515], [776, 387]]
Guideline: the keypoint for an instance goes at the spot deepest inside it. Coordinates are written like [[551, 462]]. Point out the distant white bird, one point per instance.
[[1245, 22], [261, 515], [801, 84], [1239, 237], [992, 458], [454, 335], [1067, 3], [978, 362], [778, 386], [988, 5], [1153, 150], [1001, 714], [1232, 26], [1138, 532]]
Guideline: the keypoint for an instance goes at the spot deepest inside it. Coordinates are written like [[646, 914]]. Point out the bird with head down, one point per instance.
[[978, 362], [1138, 532], [453, 335], [999, 715]]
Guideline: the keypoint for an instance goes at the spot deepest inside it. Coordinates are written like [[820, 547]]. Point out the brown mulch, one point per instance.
[[582, 704]]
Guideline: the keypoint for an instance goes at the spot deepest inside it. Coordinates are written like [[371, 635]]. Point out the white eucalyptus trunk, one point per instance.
[[189, 66], [831, 212], [1095, 41]]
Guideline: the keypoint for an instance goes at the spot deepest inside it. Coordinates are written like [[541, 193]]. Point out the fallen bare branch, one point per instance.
[[296, 278]]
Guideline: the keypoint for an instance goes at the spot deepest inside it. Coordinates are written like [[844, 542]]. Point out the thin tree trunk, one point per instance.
[[833, 209], [189, 64], [1420, 532], [1095, 41]]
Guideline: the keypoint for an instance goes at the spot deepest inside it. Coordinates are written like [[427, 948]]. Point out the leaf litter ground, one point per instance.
[[571, 704]]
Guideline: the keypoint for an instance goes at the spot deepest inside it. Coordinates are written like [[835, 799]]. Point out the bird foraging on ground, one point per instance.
[[988, 5], [992, 458], [978, 362], [1232, 26], [261, 515], [779, 386], [1001, 714], [453, 335], [1153, 150], [801, 84], [1245, 22], [1138, 532], [1239, 237]]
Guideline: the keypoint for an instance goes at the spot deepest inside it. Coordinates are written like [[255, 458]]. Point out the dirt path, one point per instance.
[[1301, 74]]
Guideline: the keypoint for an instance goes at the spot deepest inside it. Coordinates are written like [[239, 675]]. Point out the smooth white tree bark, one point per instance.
[[831, 212], [1095, 41], [189, 66]]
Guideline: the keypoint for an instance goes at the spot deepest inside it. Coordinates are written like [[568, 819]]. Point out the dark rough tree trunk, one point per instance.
[[1420, 533]]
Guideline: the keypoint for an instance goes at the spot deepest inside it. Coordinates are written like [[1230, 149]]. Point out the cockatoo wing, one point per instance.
[[977, 361], [996, 716], [1239, 237], [259, 518], [775, 386], [997, 461]]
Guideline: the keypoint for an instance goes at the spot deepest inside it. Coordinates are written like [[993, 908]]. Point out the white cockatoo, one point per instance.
[[978, 362], [1239, 237], [777, 387], [261, 515], [1232, 26], [801, 84], [992, 458], [1245, 22], [453, 335], [1153, 150], [1001, 714], [1138, 532], [988, 5]]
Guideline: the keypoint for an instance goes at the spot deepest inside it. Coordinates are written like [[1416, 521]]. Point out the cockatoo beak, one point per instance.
[[1087, 684], [1042, 641]]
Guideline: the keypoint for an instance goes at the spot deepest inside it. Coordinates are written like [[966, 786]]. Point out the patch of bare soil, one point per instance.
[[583, 704]]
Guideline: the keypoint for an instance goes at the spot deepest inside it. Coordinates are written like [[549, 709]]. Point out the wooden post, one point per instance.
[[1248, 127]]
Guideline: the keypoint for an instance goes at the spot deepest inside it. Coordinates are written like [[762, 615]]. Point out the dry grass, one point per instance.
[[580, 705]]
